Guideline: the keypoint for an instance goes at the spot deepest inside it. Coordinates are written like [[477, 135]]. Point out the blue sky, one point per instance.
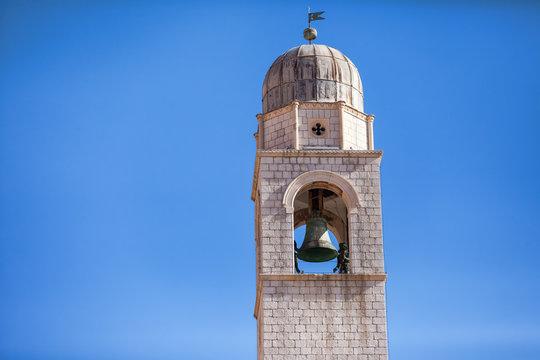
[[126, 161]]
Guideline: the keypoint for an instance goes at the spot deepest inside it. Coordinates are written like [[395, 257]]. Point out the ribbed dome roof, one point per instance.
[[314, 72]]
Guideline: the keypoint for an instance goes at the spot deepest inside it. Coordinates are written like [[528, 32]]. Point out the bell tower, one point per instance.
[[316, 166]]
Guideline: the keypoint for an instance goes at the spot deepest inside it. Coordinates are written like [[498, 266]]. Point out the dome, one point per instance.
[[315, 73]]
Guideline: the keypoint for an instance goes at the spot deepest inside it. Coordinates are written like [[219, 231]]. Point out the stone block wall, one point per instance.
[[290, 127], [318, 317], [279, 132], [276, 171], [306, 120], [332, 318], [354, 132]]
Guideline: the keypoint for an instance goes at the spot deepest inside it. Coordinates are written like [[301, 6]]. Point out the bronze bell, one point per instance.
[[317, 246]]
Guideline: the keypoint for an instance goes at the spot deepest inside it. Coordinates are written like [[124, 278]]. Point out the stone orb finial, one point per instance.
[[310, 33]]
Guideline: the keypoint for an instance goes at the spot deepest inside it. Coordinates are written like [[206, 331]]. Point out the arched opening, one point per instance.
[[320, 205]]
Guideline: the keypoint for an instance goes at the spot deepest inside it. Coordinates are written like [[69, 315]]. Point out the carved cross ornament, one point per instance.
[[318, 129]]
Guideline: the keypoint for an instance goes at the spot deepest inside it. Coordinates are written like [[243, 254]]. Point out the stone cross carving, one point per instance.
[[318, 129]]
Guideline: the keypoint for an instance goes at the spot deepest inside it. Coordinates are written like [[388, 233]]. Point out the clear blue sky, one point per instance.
[[127, 153]]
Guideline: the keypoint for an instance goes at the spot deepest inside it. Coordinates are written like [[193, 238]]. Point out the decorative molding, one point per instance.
[[320, 153], [304, 277], [275, 113], [354, 112], [256, 135], [260, 130], [307, 105], [319, 105], [371, 142], [334, 277], [295, 105]]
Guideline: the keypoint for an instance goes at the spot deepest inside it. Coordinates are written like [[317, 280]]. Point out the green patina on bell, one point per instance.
[[317, 246]]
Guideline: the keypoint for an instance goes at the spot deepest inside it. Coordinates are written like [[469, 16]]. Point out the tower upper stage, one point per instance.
[[315, 73], [313, 99]]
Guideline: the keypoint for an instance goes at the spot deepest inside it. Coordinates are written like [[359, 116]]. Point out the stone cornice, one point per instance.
[[274, 113], [320, 153], [319, 105], [307, 105], [358, 114], [334, 277], [318, 277]]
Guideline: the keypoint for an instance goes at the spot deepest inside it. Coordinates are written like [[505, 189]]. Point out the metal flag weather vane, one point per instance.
[[310, 33], [314, 16]]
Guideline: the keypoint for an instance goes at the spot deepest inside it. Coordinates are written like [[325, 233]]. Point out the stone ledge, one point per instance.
[[314, 105], [305, 277], [320, 153], [333, 277]]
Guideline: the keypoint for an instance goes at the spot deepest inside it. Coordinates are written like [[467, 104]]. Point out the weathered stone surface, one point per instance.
[[276, 233], [313, 133], [314, 72], [291, 127], [322, 319]]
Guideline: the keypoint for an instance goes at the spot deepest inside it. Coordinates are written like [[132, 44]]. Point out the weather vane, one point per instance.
[[310, 33]]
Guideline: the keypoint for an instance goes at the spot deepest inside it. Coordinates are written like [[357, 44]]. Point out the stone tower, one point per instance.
[[314, 135]]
